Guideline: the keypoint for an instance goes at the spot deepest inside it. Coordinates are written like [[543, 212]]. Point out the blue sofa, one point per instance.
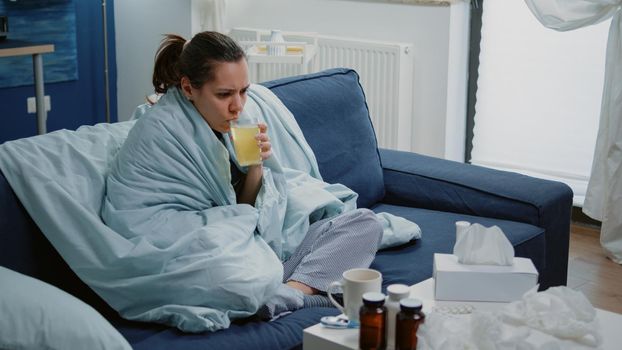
[[331, 109]]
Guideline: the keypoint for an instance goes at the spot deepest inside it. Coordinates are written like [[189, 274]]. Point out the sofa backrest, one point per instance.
[[332, 112]]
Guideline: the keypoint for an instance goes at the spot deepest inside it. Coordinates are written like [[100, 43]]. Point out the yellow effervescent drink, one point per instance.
[[245, 145]]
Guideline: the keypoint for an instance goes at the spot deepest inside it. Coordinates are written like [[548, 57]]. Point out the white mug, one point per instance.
[[354, 284]]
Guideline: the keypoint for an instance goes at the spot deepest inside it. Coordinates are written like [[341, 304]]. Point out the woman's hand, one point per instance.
[[252, 181], [264, 142]]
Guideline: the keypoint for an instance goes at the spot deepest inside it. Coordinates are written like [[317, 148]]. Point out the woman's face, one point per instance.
[[221, 100]]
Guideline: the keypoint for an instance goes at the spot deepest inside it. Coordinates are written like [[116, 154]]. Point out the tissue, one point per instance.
[[559, 311], [479, 245], [480, 331], [556, 319]]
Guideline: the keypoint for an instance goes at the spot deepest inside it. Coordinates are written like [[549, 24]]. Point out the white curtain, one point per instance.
[[208, 15], [603, 199]]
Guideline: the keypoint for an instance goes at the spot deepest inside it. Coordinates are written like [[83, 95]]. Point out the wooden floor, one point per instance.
[[590, 272]]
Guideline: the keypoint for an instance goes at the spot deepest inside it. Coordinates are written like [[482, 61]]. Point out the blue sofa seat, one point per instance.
[[399, 265], [331, 110]]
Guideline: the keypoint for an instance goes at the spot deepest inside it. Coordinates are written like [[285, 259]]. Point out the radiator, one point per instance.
[[385, 70]]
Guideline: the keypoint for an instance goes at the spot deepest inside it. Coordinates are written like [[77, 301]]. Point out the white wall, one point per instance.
[[427, 27], [139, 25], [436, 32]]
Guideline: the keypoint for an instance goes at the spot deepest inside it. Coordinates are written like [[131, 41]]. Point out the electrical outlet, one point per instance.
[[32, 104]]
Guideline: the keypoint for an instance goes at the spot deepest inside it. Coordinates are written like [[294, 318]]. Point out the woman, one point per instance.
[[210, 72]]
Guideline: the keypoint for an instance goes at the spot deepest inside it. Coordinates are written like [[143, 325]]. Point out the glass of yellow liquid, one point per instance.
[[246, 146]]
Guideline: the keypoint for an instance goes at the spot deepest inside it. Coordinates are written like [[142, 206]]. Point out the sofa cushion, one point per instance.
[[412, 263], [331, 110], [283, 333]]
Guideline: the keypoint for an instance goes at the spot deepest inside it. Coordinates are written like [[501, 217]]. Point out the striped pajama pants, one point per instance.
[[331, 246]]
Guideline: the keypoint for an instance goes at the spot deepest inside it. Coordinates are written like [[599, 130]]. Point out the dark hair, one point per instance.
[[194, 59]]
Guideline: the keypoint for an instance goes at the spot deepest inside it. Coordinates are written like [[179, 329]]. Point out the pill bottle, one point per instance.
[[373, 320], [396, 292], [407, 323]]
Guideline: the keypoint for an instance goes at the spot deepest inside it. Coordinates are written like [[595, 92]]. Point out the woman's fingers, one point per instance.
[[265, 146], [266, 149], [262, 137], [263, 140], [266, 155]]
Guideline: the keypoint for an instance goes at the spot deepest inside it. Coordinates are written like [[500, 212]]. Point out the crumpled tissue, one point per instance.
[[479, 331], [480, 245], [556, 319], [558, 311]]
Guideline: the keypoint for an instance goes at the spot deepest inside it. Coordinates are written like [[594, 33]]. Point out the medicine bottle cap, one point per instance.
[[374, 297], [411, 304], [398, 291]]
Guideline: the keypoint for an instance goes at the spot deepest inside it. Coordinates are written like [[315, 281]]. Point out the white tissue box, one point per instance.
[[461, 282]]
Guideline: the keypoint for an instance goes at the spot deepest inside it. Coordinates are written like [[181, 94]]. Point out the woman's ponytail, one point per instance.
[[166, 71]]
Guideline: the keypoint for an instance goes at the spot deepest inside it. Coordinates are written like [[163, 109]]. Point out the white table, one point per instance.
[[9, 48], [320, 338]]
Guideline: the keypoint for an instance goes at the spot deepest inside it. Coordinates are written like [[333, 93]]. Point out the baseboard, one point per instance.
[[579, 217]]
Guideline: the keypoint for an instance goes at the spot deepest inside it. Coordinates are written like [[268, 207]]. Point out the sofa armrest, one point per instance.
[[420, 181]]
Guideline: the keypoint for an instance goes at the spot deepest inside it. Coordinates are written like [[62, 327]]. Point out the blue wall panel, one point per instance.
[[51, 21], [74, 103]]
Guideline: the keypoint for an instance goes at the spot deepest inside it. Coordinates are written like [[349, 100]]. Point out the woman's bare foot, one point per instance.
[[302, 287]]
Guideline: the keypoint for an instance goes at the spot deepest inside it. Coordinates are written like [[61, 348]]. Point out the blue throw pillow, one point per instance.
[[37, 315]]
